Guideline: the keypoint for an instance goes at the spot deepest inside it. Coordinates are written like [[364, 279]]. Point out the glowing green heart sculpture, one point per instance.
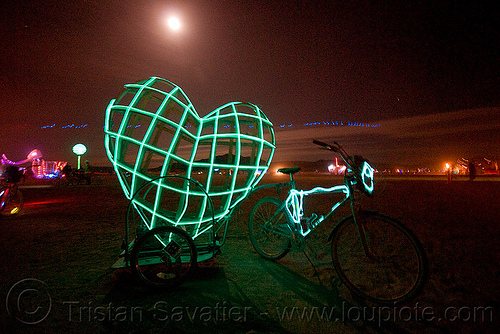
[[153, 130]]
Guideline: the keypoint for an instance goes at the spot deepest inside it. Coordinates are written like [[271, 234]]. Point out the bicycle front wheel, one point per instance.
[[164, 257], [11, 200], [378, 258], [268, 228]]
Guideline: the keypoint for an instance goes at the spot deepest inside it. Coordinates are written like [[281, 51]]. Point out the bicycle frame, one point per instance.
[[295, 201], [358, 176]]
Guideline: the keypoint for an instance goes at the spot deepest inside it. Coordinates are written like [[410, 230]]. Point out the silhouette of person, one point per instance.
[[88, 172], [472, 171]]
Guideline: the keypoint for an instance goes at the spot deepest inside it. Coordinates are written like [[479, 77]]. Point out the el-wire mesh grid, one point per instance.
[[152, 132]]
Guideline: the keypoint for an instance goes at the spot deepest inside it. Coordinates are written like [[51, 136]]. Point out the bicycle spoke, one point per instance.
[[164, 257], [265, 226], [395, 266]]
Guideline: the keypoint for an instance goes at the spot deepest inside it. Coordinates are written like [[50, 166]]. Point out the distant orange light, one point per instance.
[[278, 172]]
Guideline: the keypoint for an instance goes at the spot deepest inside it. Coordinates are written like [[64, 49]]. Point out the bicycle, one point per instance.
[[11, 198], [375, 256]]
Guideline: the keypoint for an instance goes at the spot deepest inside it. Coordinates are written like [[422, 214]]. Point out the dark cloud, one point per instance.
[[425, 140]]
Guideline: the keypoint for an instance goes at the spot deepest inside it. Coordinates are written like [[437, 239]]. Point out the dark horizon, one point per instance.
[[467, 134]]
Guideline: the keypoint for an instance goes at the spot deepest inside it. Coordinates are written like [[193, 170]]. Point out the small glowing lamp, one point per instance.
[[79, 150], [367, 177]]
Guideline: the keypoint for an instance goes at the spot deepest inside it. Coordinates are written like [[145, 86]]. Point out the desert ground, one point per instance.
[[56, 258]]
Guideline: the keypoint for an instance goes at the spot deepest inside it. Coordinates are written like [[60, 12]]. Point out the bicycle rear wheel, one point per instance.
[[391, 268], [268, 226], [164, 257], [11, 200]]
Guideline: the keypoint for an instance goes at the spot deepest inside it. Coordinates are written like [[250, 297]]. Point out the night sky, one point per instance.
[[426, 71]]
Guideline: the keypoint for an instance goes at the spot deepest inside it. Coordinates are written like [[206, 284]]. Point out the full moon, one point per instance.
[[174, 23]]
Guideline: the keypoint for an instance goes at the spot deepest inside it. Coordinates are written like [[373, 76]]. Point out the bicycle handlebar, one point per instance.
[[335, 147], [360, 172]]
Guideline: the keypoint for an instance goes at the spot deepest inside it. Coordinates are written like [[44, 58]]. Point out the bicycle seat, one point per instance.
[[290, 171]]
